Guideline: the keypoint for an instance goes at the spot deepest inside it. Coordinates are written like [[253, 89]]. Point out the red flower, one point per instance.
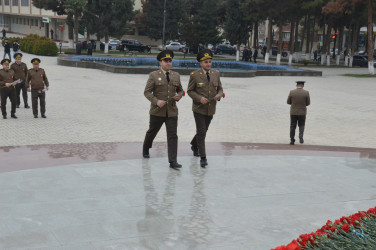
[[346, 228], [293, 246], [183, 93], [223, 95]]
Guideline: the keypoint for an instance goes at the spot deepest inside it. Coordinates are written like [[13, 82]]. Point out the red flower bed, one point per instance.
[[329, 229]]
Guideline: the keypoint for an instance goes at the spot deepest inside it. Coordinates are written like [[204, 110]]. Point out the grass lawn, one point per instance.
[[360, 75]]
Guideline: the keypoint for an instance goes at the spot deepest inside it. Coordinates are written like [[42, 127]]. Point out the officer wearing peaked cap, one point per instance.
[[37, 83], [7, 83], [20, 70], [163, 89], [205, 89], [299, 100]]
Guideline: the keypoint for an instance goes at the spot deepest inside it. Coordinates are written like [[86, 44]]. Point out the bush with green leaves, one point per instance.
[[37, 45]]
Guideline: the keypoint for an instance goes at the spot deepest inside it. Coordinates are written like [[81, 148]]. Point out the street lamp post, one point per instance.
[[164, 25]]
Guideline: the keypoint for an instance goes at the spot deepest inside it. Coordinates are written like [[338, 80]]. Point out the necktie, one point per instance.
[[168, 76], [208, 76]]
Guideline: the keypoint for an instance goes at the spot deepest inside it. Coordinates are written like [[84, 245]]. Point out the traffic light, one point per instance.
[[333, 37]]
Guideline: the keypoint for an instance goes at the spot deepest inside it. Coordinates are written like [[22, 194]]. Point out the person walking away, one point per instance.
[[299, 99]]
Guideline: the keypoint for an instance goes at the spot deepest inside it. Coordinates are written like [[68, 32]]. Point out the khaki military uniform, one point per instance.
[[37, 80], [299, 100], [158, 88], [200, 86], [7, 76], [20, 73]]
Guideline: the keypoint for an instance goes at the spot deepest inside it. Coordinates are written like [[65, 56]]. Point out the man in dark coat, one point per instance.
[[299, 100]]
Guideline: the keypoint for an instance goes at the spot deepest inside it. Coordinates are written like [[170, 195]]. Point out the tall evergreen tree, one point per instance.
[[152, 18], [201, 24], [236, 26]]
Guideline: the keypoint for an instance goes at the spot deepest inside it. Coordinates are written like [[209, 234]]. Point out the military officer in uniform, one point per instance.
[[299, 100], [37, 83], [163, 89], [205, 89], [20, 69], [7, 78]]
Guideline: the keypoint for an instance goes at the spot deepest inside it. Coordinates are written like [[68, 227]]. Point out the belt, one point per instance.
[[39, 90]]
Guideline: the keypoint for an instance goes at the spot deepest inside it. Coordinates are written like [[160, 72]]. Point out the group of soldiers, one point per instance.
[[15, 78], [164, 90]]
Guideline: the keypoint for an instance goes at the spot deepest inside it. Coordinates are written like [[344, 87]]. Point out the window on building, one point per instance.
[[42, 24], [36, 22], [32, 22], [15, 2], [28, 22], [24, 21], [1, 2], [24, 2], [6, 2]]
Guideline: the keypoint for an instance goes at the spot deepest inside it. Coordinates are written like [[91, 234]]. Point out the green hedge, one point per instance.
[[37, 45]]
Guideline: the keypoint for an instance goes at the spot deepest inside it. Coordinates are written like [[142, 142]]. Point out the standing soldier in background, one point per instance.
[[89, 48], [163, 89], [36, 81], [20, 70], [299, 100], [7, 89], [205, 89]]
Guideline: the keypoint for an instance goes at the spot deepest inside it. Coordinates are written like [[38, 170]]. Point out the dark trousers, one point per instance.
[[202, 126], [19, 87], [297, 120], [11, 93], [155, 124], [90, 52], [34, 100]]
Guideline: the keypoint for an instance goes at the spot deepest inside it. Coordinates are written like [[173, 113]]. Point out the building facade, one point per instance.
[[20, 16]]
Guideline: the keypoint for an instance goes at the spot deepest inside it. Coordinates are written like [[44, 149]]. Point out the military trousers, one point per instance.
[[297, 120], [35, 95], [19, 87], [202, 126], [11, 93], [155, 124]]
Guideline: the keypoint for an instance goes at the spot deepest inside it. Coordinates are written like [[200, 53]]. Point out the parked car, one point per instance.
[[134, 45], [175, 46], [361, 61], [194, 49], [114, 43], [275, 51], [225, 49]]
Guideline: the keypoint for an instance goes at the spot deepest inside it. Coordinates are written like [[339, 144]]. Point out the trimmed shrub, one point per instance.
[[34, 44]]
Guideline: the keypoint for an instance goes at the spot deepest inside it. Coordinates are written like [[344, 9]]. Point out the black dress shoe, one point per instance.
[[43, 116], [14, 116], [292, 141], [203, 162], [195, 151], [35, 116], [145, 153], [27, 106], [18, 106], [175, 165], [301, 140], [4, 116]]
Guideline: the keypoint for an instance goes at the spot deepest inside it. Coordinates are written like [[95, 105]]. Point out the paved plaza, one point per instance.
[[76, 180]]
